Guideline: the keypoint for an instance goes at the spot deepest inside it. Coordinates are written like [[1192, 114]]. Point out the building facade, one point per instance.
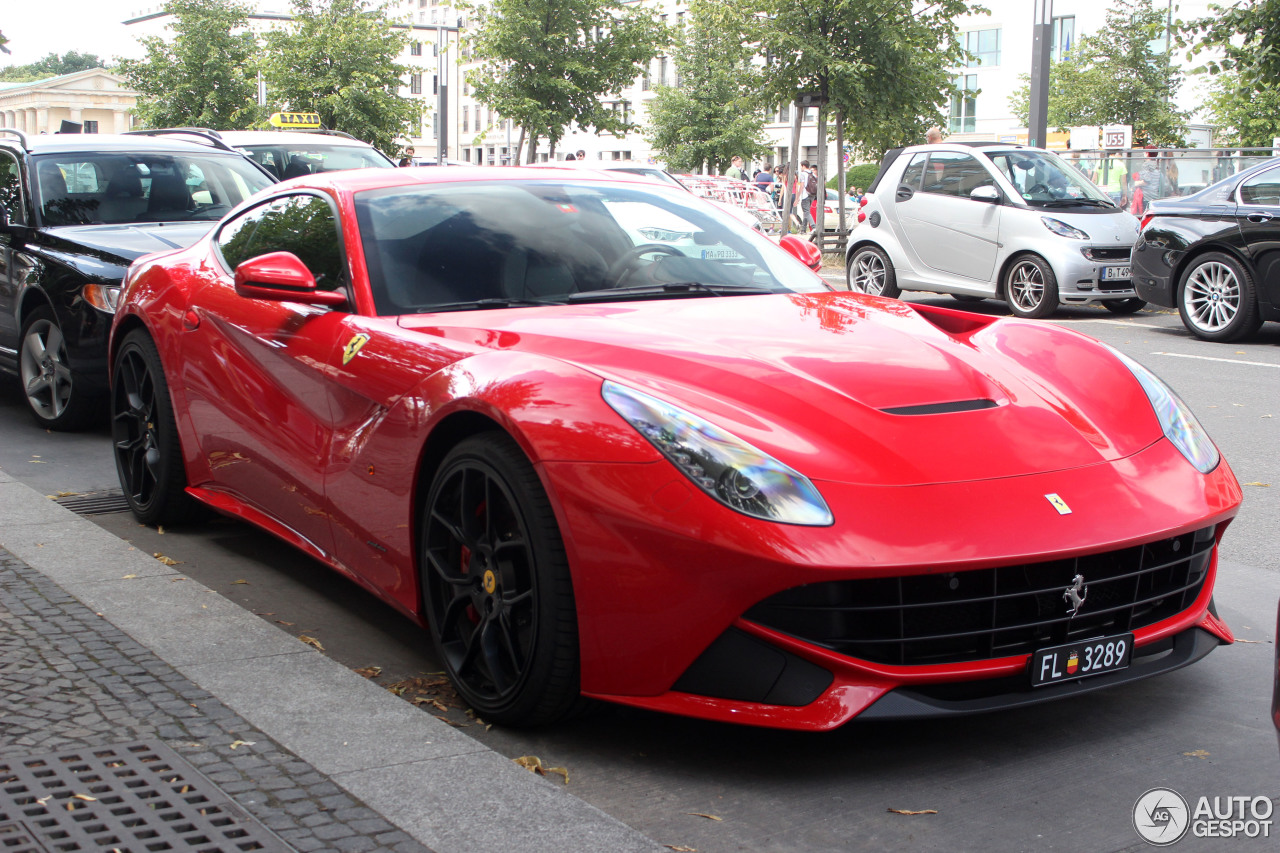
[[95, 99]]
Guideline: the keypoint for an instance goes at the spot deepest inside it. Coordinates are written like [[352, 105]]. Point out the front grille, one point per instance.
[[952, 617], [1108, 253]]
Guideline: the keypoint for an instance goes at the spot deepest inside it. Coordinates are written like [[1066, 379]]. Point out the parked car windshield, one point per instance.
[[443, 246], [294, 159], [1042, 179], [89, 188]]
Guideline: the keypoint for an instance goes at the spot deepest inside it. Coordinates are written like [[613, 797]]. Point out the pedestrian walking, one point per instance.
[[764, 178], [807, 188]]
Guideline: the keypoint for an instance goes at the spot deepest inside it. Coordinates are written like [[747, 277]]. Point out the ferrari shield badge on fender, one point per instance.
[[1059, 504], [354, 346]]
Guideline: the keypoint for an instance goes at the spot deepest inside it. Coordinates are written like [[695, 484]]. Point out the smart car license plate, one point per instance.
[[1078, 660], [1116, 273]]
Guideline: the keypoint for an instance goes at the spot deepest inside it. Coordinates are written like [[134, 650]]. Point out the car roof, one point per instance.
[[79, 143], [288, 137], [359, 180]]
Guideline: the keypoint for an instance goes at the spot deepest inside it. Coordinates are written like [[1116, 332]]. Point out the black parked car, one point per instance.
[[75, 210], [1215, 255]]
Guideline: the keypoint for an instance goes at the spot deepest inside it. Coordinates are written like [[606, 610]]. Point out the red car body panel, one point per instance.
[[327, 451]]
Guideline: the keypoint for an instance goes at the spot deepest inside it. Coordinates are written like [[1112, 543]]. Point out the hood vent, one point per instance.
[[942, 408]]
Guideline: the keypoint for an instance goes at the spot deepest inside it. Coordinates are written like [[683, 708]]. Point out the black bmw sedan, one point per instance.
[[1215, 255], [75, 211]]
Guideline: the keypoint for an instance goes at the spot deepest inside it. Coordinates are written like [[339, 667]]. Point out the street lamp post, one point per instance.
[[1041, 47]]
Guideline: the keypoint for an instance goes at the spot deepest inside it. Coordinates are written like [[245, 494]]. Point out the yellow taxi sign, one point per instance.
[[304, 120]]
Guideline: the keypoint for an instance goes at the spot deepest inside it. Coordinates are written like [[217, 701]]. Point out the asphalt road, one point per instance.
[[1063, 776]]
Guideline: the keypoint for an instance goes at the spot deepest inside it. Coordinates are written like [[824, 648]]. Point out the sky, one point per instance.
[[36, 28]]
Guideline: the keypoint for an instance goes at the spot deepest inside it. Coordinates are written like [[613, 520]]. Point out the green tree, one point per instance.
[[1245, 113], [338, 58], [202, 73], [1242, 43], [1117, 76], [715, 112], [52, 66], [547, 64]]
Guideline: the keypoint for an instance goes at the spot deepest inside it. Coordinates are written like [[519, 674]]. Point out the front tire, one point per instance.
[[496, 585], [54, 398], [144, 435], [1125, 306], [1217, 300], [1031, 288], [869, 271]]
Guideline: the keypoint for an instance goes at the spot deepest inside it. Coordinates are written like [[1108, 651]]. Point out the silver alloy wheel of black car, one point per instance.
[[1030, 287], [47, 380], [496, 586], [869, 271], [1216, 299]]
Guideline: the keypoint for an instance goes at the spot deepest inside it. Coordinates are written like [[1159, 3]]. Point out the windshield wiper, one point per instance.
[[489, 302], [1071, 202], [672, 288]]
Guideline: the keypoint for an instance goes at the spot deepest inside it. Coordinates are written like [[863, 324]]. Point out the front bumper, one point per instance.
[[1080, 278]]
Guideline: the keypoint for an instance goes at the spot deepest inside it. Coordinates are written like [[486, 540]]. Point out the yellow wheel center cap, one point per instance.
[[490, 581]]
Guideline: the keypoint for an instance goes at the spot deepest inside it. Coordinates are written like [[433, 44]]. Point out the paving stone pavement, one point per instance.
[[71, 679]]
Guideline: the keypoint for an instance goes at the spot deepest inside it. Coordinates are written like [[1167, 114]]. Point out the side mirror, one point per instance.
[[282, 277], [986, 193], [802, 250], [17, 232]]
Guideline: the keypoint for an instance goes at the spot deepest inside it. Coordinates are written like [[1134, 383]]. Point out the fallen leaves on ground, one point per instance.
[[239, 743], [1196, 753], [534, 764], [1241, 640], [680, 848], [240, 581], [128, 577], [707, 816], [63, 495], [1262, 485], [311, 641], [914, 811], [168, 561], [85, 797], [282, 622], [369, 671]]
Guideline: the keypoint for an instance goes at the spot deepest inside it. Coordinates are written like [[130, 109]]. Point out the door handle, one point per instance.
[[904, 193], [1259, 218]]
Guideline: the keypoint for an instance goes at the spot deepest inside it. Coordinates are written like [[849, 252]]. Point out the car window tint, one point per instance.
[[1262, 188], [302, 224], [11, 189], [915, 171], [954, 173]]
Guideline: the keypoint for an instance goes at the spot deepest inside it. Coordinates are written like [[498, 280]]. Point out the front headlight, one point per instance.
[[1062, 229], [722, 465], [104, 297], [1179, 425]]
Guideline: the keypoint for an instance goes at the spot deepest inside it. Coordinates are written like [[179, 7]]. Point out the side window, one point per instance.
[[954, 173], [301, 224], [915, 171], [1262, 188], [11, 189]]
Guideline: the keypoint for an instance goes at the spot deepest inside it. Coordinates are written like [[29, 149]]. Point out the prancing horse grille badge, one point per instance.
[[1075, 594]]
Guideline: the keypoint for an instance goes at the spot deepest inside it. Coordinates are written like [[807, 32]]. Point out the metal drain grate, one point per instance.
[[15, 838], [95, 503], [125, 798]]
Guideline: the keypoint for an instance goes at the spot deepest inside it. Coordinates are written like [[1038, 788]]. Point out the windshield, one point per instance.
[[433, 247], [1042, 179], [293, 159], [111, 189]]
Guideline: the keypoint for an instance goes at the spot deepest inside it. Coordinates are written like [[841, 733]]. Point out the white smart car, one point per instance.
[[991, 220]]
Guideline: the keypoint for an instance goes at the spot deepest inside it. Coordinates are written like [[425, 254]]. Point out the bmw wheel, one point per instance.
[[496, 585], [144, 434], [55, 399], [1030, 287], [869, 271], [1217, 300]]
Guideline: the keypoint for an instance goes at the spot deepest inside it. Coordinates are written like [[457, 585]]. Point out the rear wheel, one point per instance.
[[496, 585], [869, 271], [145, 436], [55, 399], [1217, 299], [1125, 306], [1030, 287]]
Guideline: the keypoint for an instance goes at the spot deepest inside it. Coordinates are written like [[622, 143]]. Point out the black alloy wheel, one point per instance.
[[54, 398], [144, 435], [496, 585]]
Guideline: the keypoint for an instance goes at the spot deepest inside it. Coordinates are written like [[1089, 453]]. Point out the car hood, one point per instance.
[[119, 245], [853, 388], [1117, 226]]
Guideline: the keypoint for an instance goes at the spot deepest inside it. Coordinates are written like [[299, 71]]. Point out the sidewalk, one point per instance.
[[141, 711]]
